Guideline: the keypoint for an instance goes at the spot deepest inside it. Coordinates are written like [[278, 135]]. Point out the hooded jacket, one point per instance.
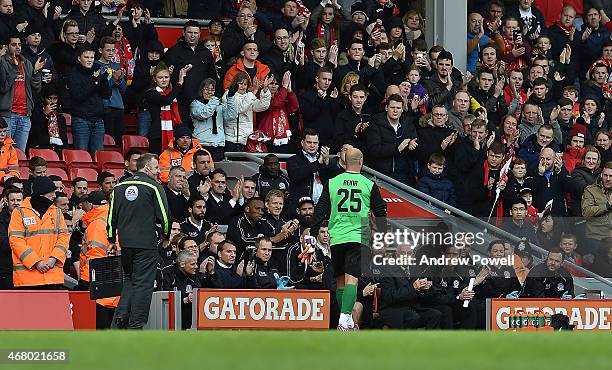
[[88, 91], [206, 114], [598, 211], [8, 75], [9, 162], [238, 129]]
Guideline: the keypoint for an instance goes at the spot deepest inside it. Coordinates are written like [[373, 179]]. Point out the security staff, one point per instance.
[[39, 239], [96, 245], [138, 205]]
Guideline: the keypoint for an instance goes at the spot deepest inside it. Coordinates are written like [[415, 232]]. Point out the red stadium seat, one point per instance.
[[24, 172], [89, 174], [134, 141], [110, 144], [49, 155], [78, 158], [59, 172], [118, 172], [109, 159], [70, 138], [22, 157], [68, 119]]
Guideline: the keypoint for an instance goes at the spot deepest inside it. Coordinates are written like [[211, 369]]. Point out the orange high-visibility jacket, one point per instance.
[[95, 245], [262, 71], [173, 157], [35, 238], [9, 162]]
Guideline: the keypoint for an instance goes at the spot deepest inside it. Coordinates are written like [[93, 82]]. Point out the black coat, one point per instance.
[[383, 152], [553, 187], [438, 93], [177, 204], [39, 131], [47, 26], [430, 141], [203, 66], [154, 101], [264, 276], [222, 212], [301, 175], [276, 61], [542, 283], [6, 253], [233, 39], [368, 76], [439, 187], [496, 106], [581, 178], [320, 114], [476, 198], [346, 121], [227, 278], [87, 92]]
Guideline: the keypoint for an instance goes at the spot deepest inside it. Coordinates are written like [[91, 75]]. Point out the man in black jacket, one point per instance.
[[196, 225], [551, 182], [441, 87], [137, 206], [270, 177], [91, 22], [227, 277], [369, 76], [11, 199], [401, 298], [88, 88], [279, 58], [183, 276], [352, 123], [189, 50], [199, 180], [246, 228], [490, 95], [436, 138], [238, 32], [391, 141], [177, 194], [319, 106], [307, 170], [221, 205], [549, 279], [264, 274]]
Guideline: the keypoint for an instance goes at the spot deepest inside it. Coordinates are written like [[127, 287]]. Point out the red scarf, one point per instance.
[[499, 211], [518, 63], [169, 117], [53, 126], [331, 40], [566, 30], [125, 58]]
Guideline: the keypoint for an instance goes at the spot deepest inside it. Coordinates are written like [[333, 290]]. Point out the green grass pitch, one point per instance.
[[268, 350]]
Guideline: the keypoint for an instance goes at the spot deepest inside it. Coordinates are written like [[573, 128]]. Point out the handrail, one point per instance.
[[256, 157]]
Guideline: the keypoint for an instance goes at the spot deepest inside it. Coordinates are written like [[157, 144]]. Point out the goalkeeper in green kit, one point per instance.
[[349, 200]]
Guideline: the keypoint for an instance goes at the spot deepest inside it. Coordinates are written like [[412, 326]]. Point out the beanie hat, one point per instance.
[[577, 130], [42, 185], [97, 198], [180, 131], [359, 8]]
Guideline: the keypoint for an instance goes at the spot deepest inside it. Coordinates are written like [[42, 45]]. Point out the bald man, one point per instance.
[[348, 201], [551, 182], [476, 40]]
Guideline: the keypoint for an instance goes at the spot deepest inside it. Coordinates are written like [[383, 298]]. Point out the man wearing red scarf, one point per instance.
[[563, 33], [516, 50]]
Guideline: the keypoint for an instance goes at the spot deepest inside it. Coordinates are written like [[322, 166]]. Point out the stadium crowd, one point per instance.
[[529, 117]]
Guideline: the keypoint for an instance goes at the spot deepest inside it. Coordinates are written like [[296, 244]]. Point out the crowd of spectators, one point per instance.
[[521, 138]]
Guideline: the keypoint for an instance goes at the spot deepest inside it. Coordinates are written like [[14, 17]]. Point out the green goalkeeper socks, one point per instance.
[[348, 298], [339, 293]]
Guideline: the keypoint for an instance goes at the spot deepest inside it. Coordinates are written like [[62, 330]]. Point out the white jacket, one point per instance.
[[237, 130]]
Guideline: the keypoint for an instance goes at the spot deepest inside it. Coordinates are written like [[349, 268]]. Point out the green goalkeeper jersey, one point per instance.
[[352, 196]]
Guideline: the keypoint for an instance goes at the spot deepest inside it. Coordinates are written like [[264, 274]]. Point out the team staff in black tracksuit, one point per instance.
[[549, 279], [246, 228], [264, 273], [270, 177], [183, 276], [137, 206], [225, 273]]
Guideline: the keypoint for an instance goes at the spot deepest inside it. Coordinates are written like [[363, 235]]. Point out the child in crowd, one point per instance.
[[532, 212], [435, 183], [414, 77], [568, 245]]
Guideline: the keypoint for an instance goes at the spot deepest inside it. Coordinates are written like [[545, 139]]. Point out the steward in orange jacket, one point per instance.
[[180, 153], [9, 162], [39, 238], [95, 241], [261, 71]]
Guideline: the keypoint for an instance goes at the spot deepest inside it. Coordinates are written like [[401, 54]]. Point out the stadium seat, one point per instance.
[[68, 119], [22, 157], [89, 174], [110, 144], [24, 172], [134, 141], [49, 155], [78, 158], [70, 138], [118, 172], [109, 160], [59, 172]]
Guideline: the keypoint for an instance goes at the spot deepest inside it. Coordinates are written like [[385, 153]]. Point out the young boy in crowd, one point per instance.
[[568, 245], [572, 94], [532, 212], [517, 179], [435, 183]]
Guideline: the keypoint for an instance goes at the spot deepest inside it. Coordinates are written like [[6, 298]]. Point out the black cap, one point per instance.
[[305, 200], [216, 20], [31, 29], [524, 191], [97, 198], [359, 7], [155, 45], [42, 185]]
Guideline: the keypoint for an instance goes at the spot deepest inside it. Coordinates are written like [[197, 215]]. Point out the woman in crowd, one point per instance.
[[48, 123], [238, 128], [150, 56]]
